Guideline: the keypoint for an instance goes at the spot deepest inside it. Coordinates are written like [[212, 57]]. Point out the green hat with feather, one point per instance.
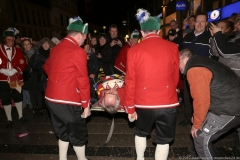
[[76, 24], [146, 21]]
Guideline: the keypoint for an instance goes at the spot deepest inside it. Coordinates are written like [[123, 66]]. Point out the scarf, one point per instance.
[[100, 48], [29, 53], [43, 52]]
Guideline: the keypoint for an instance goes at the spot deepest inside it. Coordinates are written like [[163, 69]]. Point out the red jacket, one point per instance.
[[152, 74], [18, 62], [121, 60], [68, 80]]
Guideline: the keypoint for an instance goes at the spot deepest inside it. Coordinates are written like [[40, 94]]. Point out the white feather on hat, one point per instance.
[[74, 19], [142, 15], [15, 31], [135, 32]]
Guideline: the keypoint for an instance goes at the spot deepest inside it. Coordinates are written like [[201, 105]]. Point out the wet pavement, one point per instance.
[[41, 142]]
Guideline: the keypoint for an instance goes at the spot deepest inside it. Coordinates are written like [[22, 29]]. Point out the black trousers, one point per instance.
[[68, 124], [212, 128], [187, 99], [7, 94], [164, 120], [36, 98]]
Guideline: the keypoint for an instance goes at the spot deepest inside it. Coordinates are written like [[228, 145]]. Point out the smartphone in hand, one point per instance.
[[208, 25]]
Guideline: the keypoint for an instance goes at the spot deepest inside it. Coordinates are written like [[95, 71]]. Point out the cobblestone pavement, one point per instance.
[[41, 142]]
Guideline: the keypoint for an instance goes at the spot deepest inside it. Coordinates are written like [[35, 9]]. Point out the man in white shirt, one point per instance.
[[12, 63]]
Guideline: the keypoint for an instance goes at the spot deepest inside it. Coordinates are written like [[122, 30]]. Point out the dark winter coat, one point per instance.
[[107, 59], [227, 50], [116, 48], [200, 44], [93, 66]]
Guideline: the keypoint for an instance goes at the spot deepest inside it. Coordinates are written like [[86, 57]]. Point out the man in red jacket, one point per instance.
[[151, 80], [120, 63], [68, 89], [12, 63]]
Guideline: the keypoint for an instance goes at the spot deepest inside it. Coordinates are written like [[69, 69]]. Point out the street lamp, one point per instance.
[[95, 31], [104, 27]]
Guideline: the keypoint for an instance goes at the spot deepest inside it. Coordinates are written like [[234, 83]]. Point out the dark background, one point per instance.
[[105, 12]]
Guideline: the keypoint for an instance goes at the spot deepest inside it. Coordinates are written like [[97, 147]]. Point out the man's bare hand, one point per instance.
[[86, 112], [119, 43], [194, 132], [99, 55], [132, 117], [112, 43], [214, 29], [92, 75]]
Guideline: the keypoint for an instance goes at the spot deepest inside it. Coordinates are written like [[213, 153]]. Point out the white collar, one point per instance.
[[198, 33], [7, 47], [151, 35]]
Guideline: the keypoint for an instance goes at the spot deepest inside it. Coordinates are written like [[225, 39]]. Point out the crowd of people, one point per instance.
[[209, 95], [140, 76]]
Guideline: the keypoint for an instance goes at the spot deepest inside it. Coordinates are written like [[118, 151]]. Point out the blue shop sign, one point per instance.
[[229, 9], [180, 6], [224, 12]]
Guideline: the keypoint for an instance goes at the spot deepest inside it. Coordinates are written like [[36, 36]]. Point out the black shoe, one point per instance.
[[9, 125], [185, 123], [23, 120]]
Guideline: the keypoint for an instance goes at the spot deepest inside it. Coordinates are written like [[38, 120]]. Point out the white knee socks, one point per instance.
[[162, 152], [19, 109], [80, 152], [8, 111], [63, 148], [140, 145]]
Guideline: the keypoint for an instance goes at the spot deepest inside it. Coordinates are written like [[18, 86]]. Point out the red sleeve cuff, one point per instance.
[[130, 109], [18, 70], [85, 104]]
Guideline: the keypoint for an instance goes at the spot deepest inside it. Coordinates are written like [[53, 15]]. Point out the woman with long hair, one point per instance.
[[42, 52]]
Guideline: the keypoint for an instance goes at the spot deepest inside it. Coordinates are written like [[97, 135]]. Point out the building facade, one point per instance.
[[38, 19], [169, 12], [30, 19], [60, 12]]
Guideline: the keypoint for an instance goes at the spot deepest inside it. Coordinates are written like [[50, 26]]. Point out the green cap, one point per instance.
[[146, 21], [76, 24], [135, 34]]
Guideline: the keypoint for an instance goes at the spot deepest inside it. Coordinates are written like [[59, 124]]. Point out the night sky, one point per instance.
[[102, 12], [44, 3], [106, 12]]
